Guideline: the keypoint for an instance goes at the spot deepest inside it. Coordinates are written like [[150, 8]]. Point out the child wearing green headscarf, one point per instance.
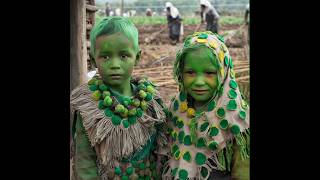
[[117, 119], [209, 123]]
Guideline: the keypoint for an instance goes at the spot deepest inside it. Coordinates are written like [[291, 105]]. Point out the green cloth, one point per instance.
[[240, 168], [85, 156]]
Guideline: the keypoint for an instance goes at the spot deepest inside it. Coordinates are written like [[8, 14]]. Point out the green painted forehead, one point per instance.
[[201, 51]]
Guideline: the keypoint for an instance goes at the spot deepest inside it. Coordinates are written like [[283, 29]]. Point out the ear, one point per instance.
[[138, 56]]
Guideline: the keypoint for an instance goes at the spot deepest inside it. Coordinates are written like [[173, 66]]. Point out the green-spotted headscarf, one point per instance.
[[220, 54], [227, 115]]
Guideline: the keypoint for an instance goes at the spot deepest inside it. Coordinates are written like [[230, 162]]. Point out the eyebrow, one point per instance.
[[101, 52], [127, 50]]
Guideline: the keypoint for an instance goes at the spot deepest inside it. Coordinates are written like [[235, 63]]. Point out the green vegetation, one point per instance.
[[144, 20]]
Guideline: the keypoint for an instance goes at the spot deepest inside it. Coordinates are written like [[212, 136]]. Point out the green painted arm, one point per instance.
[[85, 156], [240, 168]]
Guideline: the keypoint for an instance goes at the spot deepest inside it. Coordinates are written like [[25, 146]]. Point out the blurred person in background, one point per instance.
[[247, 20], [148, 12], [174, 22], [209, 15], [108, 9]]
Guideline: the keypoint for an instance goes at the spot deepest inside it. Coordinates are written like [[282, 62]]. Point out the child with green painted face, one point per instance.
[[209, 119], [116, 118]]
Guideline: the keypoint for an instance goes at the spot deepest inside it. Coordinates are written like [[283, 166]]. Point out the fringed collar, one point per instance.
[[113, 143]]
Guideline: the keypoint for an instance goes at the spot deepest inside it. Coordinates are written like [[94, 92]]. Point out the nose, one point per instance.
[[199, 81], [115, 63]]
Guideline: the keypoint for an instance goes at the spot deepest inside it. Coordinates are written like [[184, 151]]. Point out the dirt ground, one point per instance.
[[158, 53]]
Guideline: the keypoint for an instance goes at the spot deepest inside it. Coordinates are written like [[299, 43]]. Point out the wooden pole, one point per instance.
[[78, 49]]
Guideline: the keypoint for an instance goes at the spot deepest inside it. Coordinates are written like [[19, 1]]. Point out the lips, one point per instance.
[[115, 76], [200, 91]]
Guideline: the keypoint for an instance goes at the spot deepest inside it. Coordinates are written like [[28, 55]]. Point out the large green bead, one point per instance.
[[93, 87], [124, 114], [139, 112], [136, 102], [116, 120], [92, 81], [108, 112], [105, 94], [124, 177], [125, 123], [132, 119], [103, 87], [144, 105], [142, 166], [96, 95], [142, 94], [117, 170], [126, 102], [132, 112], [148, 97], [150, 89], [119, 108], [107, 101], [98, 82], [100, 104], [129, 170], [142, 87]]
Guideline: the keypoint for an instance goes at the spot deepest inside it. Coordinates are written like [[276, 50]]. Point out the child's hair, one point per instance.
[[194, 42], [111, 25]]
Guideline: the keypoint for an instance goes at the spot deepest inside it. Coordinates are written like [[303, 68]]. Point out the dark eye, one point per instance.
[[190, 72], [105, 57], [211, 73], [124, 56]]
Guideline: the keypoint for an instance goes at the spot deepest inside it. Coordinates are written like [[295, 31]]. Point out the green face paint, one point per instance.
[[200, 78], [115, 59]]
